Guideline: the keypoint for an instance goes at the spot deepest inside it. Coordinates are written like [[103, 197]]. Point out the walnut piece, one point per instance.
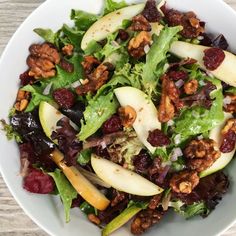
[[128, 116], [137, 44], [191, 86], [94, 219], [89, 64], [42, 60], [154, 202], [22, 100], [144, 220], [184, 182], [140, 23], [68, 49], [201, 154], [119, 197], [231, 107], [170, 101]]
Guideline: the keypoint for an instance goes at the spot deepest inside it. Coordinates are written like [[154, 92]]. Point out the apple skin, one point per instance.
[[225, 158], [225, 72], [147, 114], [122, 179], [49, 116], [84, 187], [109, 24]]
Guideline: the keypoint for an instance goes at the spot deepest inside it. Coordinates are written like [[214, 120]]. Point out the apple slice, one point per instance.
[[123, 179], [109, 24], [49, 116], [84, 188], [225, 158], [147, 118], [225, 72]]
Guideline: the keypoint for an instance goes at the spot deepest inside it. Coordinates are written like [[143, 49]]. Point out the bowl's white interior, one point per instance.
[[47, 211]]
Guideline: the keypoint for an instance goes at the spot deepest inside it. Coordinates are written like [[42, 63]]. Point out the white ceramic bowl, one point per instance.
[[47, 211]]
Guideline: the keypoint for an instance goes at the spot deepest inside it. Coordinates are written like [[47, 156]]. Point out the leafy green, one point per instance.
[[96, 113], [118, 58], [36, 96], [162, 153], [139, 204], [86, 208], [84, 157], [153, 67], [47, 34], [92, 48], [111, 6], [83, 20], [178, 165], [197, 120], [66, 191], [10, 133], [231, 90], [188, 211]]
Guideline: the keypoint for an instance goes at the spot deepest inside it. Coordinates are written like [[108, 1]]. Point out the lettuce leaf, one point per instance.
[[47, 34], [153, 68], [96, 113], [197, 120], [111, 6], [66, 191]]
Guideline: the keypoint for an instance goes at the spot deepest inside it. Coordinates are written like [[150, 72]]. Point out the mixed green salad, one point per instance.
[[127, 115]]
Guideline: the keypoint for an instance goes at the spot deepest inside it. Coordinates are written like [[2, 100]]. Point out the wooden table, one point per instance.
[[13, 221]]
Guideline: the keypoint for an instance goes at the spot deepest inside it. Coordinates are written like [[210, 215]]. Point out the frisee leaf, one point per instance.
[[47, 34], [111, 6]]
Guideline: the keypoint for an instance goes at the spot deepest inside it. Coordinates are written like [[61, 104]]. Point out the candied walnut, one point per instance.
[[191, 86], [184, 182], [22, 100], [201, 154], [94, 219], [68, 49], [89, 64], [169, 100], [192, 26], [119, 197], [150, 11], [231, 105], [140, 23], [96, 80], [213, 58], [229, 136], [157, 138], [154, 202], [128, 115], [144, 220], [42, 60], [26, 79], [137, 44]]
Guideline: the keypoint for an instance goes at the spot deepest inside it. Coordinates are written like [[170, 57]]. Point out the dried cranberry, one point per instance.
[[157, 138], [64, 97], [26, 79], [206, 40], [213, 58], [67, 66], [112, 125], [123, 35], [228, 143], [151, 12], [177, 75], [38, 182], [142, 162]]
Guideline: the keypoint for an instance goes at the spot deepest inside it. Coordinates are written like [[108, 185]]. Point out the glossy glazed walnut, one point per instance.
[[22, 100], [89, 64], [42, 60], [154, 202], [137, 44], [144, 220], [127, 115], [191, 86], [201, 154], [68, 49], [231, 106], [184, 182], [119, 197], [140, 23]]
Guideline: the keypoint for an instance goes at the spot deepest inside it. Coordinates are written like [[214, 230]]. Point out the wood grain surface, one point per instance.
[[13, 221]]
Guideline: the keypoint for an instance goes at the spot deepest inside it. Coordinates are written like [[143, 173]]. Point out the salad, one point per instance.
[[127, 115]]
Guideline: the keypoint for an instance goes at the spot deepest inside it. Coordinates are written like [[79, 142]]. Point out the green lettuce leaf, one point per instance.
[[156, 57], [66, 191], [87, 209], [199, 120], [111, 6], [47, 34], [92, 48], [84, 157], [96, 113], [83, 20], [231, 90]]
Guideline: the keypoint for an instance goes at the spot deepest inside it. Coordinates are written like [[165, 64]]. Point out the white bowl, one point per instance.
[[47, 211]]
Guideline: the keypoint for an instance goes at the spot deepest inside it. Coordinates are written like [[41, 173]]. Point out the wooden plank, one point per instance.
[[13, 221]]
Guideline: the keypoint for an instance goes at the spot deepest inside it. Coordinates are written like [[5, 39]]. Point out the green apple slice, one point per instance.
[[147, 115], [225, 72], [122, 179], [225, 158], [109, 24], [49, 116]]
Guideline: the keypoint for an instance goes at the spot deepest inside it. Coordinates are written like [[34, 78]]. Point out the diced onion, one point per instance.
[[146, 49], [177, 139], [179, 83], [227, 100], [177, 152], [76, 84], [47, 89]]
